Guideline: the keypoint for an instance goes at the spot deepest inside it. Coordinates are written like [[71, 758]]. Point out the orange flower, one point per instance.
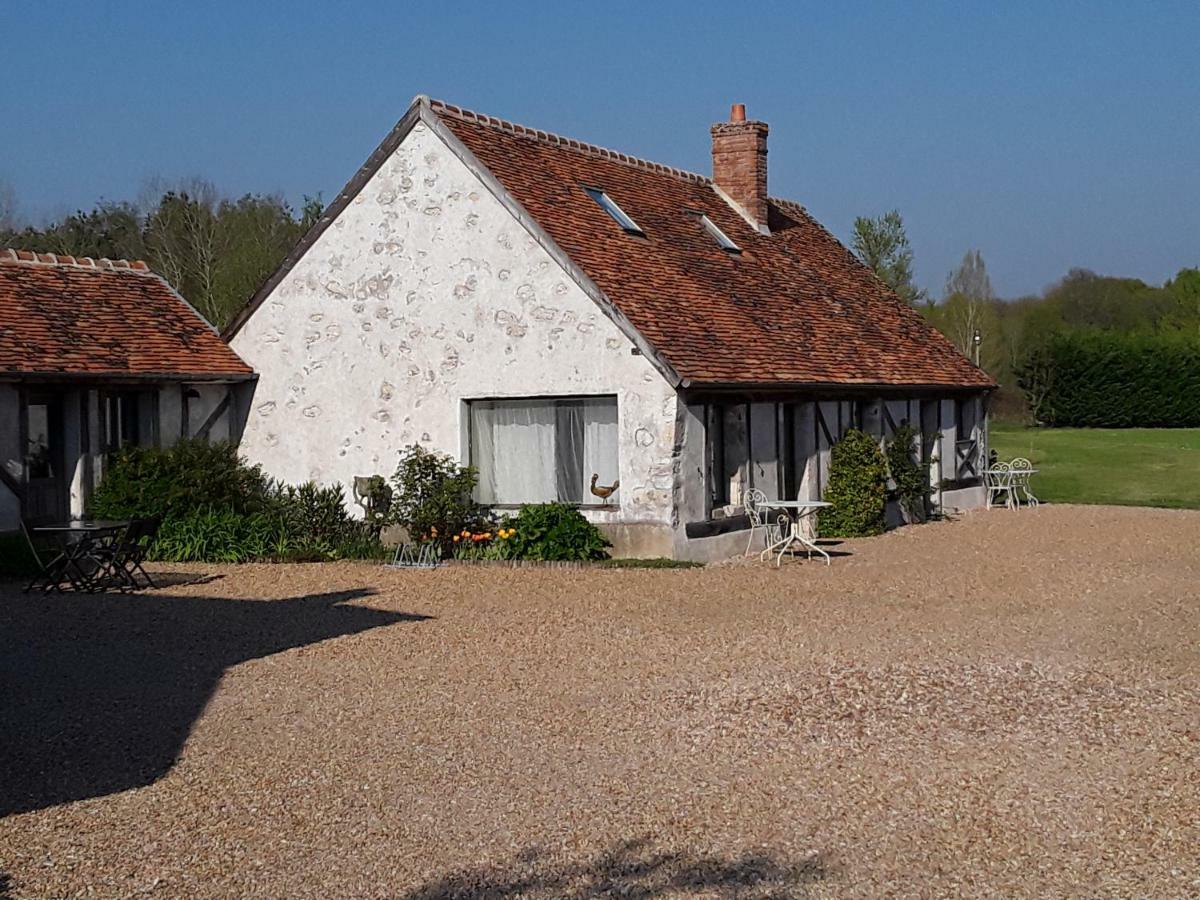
[[456, 539]]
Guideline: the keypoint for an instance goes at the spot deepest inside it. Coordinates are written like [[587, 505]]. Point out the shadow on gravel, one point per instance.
[[100, 691], [632, 869]]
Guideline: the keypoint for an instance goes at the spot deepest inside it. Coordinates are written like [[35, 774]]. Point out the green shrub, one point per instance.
[[178, 480], [221, 536], [555, 531], [910, 476], [432, 497], [857, 488], [216, 508], [225, 536], [316, 513], [1093, 379]]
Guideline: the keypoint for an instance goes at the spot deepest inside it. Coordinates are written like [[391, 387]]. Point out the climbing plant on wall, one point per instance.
[[909, 474]]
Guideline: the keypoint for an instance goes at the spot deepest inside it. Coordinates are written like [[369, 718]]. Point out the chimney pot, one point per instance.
[[737, 112]]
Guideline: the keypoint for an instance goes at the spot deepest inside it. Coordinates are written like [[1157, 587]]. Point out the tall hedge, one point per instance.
[[857, 488], [1112, 380]]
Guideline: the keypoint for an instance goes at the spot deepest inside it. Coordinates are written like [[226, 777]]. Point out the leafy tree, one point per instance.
[[1184, 290], [883, 245]]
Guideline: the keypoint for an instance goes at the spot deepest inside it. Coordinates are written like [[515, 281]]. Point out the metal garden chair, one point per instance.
[[1021, 472], [52, 561], [124, 556], [753, 500], [998, 480]]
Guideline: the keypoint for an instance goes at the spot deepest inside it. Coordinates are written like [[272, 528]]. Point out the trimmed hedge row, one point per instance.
[[1110, 380]]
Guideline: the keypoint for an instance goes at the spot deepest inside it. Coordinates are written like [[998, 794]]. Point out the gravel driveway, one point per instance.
[[1008, 704]]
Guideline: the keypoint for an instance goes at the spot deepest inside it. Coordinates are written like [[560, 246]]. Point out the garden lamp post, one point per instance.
[[977, 340]]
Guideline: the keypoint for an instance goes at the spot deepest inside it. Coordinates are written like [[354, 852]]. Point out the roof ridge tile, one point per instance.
[[557, 140], [13, 256]]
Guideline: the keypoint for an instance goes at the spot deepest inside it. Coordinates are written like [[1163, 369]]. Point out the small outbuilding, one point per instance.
[[558, 314], [96, 355]]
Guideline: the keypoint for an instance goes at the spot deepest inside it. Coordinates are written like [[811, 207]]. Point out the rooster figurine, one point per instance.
[[602, 491]]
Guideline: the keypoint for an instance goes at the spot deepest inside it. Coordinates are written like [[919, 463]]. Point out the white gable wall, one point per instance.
[[425, 292]]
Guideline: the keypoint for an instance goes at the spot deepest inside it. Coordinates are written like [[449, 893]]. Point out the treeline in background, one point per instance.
[[215, 250], [1091, 350]]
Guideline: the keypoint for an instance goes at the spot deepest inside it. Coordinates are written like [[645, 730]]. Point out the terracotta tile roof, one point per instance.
[[794, 307], [65, 316]]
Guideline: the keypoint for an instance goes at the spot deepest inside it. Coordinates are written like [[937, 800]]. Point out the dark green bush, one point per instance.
[[908, 473], [555, 531], [216, 508], [178, 480], [857, 488], [317, 513], [1095, 379], [432, 497]]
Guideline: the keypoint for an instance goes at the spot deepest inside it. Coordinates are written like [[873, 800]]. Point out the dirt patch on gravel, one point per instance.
[[1008, 704]]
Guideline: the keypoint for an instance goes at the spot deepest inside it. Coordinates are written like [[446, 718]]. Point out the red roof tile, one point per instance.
[[794, 307], [65, 316]]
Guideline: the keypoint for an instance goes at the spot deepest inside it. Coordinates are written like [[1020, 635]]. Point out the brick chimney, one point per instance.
[[739, 152]]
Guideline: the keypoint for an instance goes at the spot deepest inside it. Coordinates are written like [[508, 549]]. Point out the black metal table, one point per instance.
[[81, 560]]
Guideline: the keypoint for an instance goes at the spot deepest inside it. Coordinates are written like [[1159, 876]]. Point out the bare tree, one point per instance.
[[968, 293], [8, 207], [182, 237]]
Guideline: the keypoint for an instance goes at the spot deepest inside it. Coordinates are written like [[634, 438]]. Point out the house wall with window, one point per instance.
[[56, 438], [427, 313]]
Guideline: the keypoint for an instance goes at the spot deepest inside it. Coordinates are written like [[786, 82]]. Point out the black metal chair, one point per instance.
[[125, 555], [51, 560]]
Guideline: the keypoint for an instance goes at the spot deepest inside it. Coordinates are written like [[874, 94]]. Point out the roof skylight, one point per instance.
[[723, 240], [609, 205]]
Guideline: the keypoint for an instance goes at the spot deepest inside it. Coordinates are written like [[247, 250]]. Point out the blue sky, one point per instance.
[[1048, 135]]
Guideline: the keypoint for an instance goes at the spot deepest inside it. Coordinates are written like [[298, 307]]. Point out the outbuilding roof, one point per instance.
[[67, 317]]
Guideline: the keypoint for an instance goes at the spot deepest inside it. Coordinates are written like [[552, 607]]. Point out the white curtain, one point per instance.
[[599, 445], [514, 451], [531, 451]]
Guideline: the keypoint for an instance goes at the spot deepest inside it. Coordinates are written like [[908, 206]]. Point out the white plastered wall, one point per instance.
[[426, 292]]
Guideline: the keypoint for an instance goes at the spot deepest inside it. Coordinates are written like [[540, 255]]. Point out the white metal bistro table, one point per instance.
[[804, 509], [1010, 481]]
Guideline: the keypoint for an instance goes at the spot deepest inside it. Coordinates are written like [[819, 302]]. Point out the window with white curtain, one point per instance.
[[540, 451]]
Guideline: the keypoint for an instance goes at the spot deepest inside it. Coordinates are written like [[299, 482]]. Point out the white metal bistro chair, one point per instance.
[[1021, 472], [754, 501], [998, 480]]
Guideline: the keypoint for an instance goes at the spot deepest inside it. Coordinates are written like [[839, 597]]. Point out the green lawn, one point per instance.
[[1123, 466]]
